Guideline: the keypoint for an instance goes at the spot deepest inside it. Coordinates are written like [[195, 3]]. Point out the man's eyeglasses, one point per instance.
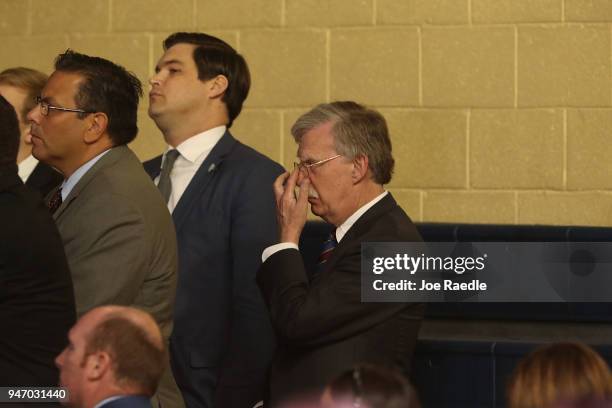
[[45, 107], [305, 167]]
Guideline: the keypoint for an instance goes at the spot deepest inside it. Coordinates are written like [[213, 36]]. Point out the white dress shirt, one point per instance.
[[26, 167], [340, 231], [192, 153]]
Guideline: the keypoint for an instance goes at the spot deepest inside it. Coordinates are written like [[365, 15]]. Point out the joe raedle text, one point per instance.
[[422, 285]]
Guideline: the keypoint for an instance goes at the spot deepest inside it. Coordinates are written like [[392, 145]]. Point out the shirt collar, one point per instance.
[[346, 225], [26, 167], [74, 178], [107, 400], [194, 147]]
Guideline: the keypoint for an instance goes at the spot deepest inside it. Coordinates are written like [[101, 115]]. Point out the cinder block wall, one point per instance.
[[500, 110]]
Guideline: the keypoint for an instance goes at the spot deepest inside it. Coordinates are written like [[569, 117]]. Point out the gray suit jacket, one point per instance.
[[120, 240]]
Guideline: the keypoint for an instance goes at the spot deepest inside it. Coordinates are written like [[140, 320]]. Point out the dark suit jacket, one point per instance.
[[44, 178], [323, 326], [130, 401], [36, 297], [223, 341]]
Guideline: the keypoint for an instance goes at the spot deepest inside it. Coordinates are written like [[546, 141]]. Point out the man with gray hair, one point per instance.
[[345, 159]]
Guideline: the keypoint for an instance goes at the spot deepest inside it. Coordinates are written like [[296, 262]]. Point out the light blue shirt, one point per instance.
[[71, 181]]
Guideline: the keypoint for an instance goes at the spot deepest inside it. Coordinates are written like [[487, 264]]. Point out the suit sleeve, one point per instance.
[[325, 310], [107, 257]]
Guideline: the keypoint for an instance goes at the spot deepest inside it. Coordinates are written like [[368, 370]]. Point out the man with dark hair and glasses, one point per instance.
[[118, 236], [345, 160], [219, 192]]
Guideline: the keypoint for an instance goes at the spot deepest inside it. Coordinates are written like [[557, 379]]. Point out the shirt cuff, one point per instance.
[[271, 250]]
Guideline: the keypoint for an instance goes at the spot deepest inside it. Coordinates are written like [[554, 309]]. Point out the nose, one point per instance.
[[34, 114], [302, 174], [59, 360], [155, 79]]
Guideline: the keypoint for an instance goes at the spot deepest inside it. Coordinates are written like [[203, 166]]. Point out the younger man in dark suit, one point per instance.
[[36, 297], [219, 192], [324, 328], [20, 86], [114, 359]]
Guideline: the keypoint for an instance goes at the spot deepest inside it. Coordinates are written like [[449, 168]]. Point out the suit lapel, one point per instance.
[[386, 204], [207, 171], [108, 159]]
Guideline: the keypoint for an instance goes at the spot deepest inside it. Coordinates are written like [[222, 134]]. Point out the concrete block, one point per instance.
[[469, 207], [375, 66], [516, 11], [516, 148], [589, 151], [287, 67], [468, 66], [152, 15], [564, 66], [429, 148], [422, 12], [560, 208], [223, 14], [329, 13]]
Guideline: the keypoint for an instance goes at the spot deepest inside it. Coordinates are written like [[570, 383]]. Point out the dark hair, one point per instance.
[[107, 87], [215, 57], [29, 80], [136, 359], [357, 130], [9, 137], [370, 386]]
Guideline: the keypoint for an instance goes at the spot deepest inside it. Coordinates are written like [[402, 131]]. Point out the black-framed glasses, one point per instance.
[[45, 107], [305, 167]]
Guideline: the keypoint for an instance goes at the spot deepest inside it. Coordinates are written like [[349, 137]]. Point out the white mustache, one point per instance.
[[312, 193]]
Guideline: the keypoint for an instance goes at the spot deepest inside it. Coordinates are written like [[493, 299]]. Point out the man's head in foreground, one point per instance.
[[112, 351], [369, 386], [88, 105], [20, 86], [345, 153]]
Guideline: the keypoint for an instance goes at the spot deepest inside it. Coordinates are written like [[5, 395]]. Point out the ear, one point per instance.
[[96, 127], [360, 168], [97, 365], [218, 86]]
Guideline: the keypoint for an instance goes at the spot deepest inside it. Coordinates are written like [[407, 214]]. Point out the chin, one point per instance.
[[317, 211]]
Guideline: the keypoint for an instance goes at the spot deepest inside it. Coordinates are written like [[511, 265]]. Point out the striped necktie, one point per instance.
[[55, 201], [326, 251]]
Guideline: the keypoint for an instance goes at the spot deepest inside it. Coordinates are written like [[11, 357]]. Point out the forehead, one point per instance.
[[14, 95], [62, 86], [317, 142], [182, 53], [85, 325]]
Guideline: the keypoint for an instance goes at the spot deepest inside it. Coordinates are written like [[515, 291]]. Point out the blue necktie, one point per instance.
[[326, 252]]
